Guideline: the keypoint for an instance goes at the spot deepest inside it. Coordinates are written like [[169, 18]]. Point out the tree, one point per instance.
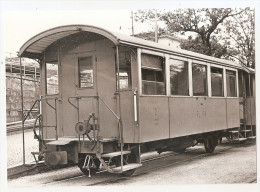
[[206, 25], [240, 30]]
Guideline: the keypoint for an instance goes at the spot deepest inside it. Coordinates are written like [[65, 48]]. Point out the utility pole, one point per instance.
[[156, 28], [132, 17]]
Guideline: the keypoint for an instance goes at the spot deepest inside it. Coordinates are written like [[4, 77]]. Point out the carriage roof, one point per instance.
[[35, 46]]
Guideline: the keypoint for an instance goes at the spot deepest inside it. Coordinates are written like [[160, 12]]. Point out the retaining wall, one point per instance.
[[31, 88]]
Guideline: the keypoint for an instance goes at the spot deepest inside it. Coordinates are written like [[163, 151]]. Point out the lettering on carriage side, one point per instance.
[[156, 118]]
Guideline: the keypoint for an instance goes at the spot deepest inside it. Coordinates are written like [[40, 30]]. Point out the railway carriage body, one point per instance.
[[107, 95]]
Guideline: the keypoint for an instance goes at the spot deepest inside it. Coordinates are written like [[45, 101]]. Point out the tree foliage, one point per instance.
[[208, 30], [240, 30]]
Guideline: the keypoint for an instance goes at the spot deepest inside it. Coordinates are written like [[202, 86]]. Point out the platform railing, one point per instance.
[[41, 126], [56, 114]]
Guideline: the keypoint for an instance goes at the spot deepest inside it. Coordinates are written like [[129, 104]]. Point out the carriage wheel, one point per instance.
[[210, 143], [93, 167]]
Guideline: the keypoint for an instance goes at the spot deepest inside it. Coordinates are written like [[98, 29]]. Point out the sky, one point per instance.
[[20, 20]]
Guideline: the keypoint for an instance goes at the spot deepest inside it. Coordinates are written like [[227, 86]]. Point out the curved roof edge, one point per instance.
[[38, 43], [35, 46]]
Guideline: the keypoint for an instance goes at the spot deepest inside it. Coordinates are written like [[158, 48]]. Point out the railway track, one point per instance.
[[151, 164]]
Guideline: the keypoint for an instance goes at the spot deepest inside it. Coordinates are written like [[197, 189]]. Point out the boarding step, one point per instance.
[[126, 167], [240, 139], [252, 137], [241, 130], [245, 130], [114, 154], [235, 131], [106, 140]]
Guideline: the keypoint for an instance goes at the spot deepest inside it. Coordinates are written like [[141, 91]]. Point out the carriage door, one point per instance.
[[51, 105], [96, 77], [86, 85]]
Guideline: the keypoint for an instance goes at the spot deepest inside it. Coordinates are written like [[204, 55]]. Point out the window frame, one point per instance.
[[130, 79], [140, 52], [188, 75], [223, 81], [45, 76], [78, 72], [236, 82], [208, 90], [242, 86]]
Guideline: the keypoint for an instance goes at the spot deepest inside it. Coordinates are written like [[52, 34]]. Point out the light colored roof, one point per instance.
[[171, 37], [37, 44]]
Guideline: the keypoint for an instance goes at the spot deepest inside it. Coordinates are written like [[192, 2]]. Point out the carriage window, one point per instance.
[[85, 68], [252, 83], [199, 79], [153, 75], [240, 84], [179, 77], [217, 82], [249, 89], [52, 80], [125, 69], [231, 83]]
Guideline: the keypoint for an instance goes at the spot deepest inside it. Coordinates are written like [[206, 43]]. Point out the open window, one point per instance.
[[231, 83], [179, 77], [199, 79], [153, 75], [85, 67], [52, 78], [217, 82]]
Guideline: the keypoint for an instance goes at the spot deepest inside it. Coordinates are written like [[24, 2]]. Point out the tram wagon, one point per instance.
[[106, 98]]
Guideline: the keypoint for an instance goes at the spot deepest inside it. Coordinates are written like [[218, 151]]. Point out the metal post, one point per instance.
[[119, 102], [156, 27], [35, 72], [56, 119], [21, 76], [132, 17], [249, 81]]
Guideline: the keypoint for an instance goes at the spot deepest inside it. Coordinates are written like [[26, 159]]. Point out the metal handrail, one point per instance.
[[30, 110], [95, 97], [109, 109], [56, 117], [98, 98]]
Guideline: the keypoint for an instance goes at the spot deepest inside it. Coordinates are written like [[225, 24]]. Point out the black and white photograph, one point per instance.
[[129, 95]]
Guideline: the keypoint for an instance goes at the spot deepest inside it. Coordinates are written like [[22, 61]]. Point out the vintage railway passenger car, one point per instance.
[[108, 97]]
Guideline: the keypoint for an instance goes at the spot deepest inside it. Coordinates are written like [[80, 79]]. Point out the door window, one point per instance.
[[52, 78], [85, 67], [125, 79]]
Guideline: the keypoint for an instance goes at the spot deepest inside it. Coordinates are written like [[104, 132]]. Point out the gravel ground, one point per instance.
[[15, 148], [229, 164]]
